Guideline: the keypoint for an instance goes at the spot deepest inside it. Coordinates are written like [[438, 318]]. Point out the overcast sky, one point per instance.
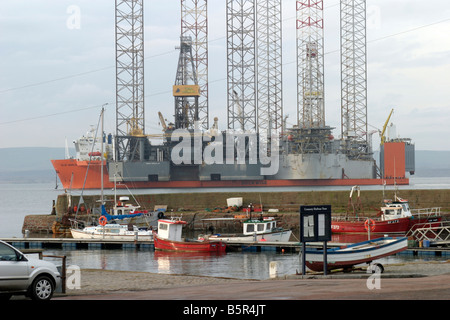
[[56, 71]]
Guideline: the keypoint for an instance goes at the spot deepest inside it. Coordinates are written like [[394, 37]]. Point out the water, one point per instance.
[[19, 200], [240, 265]]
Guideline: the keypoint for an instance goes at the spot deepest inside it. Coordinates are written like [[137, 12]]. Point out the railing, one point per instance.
[[350, 218], [439, 233], [436, 211]]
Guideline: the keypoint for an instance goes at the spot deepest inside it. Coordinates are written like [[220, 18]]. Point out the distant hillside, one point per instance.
[[29, 164], [33, 164], [432, 163]]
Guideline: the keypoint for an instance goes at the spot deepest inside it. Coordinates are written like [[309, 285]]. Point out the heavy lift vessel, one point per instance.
[[303, 157], [194, 158]]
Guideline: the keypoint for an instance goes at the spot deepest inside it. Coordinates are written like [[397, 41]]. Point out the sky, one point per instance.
[[57, 68]]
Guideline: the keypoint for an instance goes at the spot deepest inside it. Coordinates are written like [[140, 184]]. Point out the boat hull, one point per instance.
[[431, 222], [363, 252], [187, 246], [72, 174], [80, 234], [281, 236], [400, 225]]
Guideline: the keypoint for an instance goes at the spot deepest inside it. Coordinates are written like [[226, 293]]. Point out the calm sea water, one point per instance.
[[19, 200]]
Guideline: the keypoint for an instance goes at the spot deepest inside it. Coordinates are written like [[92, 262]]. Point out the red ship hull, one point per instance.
[[400, 225], [186, 246], [74, 174]]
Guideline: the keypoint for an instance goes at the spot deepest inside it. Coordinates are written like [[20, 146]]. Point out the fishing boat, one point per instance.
[[348, 256], [168, 238], [111, 231], [126, 213], [255, 230], [395, 217], [108, 226]]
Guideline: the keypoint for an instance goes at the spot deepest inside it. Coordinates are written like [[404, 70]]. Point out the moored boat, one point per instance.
[[255, 230], [111, 231], [168, 238], [348, 256], [394, 217], [129, 213]]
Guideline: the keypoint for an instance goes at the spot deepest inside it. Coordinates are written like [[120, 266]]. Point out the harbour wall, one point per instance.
[[283, 201], [197, 206]]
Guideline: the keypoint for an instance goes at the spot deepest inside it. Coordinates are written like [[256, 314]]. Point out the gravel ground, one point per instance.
[[95, 281]]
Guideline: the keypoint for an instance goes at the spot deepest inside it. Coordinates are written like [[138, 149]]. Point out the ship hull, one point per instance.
[[74, 174], [400, 225], [185, 246]]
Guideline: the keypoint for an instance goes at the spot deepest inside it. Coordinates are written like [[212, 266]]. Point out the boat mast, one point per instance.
[[101, 156]]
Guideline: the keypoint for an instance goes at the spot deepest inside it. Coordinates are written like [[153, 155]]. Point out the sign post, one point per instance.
[[315, 226]]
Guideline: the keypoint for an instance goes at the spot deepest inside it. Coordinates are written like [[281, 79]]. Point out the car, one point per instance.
[[20, 275]]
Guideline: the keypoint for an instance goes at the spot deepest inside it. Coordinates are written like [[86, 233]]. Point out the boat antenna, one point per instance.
[[260, 203]]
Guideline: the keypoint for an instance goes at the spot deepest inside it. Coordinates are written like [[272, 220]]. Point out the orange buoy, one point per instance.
[[102, 220]]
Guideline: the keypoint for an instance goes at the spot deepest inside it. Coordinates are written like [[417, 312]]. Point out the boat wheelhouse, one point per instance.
[[262, 229], [169, 238]]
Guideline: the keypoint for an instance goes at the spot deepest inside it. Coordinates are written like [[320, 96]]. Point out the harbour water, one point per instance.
[[19, 200]]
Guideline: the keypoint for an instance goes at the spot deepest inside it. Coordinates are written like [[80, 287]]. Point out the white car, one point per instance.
[[20, 275]]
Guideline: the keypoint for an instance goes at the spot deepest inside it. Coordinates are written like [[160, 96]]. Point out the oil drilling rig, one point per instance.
[[307, 152]]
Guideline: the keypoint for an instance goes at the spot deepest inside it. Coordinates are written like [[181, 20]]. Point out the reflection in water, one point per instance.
[[185, 262], [241, 265]]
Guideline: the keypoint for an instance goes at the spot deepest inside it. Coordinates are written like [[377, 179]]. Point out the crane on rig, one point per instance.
[[382, 133]]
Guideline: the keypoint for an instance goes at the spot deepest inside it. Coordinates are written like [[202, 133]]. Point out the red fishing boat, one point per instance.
[[395, 217], [168, 238]]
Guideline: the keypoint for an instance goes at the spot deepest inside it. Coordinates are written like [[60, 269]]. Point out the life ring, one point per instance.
[[369, 223], [160, 215], [102, 220]]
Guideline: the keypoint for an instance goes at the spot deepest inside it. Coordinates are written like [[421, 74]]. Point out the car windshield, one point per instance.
[[7, 253]]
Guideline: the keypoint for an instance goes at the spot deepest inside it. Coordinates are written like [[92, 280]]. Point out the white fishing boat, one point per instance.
[[255, 230], [118, 232], [124, 213], [354, 254], [111, 231]]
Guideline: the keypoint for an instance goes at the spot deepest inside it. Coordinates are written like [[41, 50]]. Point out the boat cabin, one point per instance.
[[123, 208], [170, 229], [395, 210], [259, 226]]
